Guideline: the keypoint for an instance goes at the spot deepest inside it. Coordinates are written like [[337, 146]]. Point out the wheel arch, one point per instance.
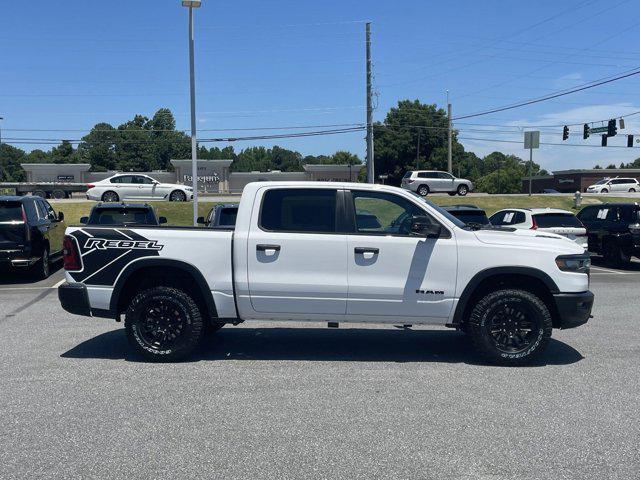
[[161, 271], [527, 278]]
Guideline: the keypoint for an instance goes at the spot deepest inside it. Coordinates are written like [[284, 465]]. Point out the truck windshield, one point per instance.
[[457, 222], [550, 220], [10, 212]]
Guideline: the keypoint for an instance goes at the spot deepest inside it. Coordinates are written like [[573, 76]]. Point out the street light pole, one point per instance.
[[191, 4]]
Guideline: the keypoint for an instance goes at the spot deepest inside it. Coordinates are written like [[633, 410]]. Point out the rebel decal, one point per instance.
[[103, 244], [106, 252]]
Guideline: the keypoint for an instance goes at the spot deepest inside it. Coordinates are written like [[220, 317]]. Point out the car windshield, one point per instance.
[[123, 216], [457, 222], [550, 220], [10, 211], [472, 217]]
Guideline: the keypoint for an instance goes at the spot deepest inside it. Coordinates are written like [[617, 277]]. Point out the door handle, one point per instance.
[[262, 247], [363, 250]]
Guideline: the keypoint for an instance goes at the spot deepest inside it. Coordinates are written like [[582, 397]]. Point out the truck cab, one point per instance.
[[333, 252]]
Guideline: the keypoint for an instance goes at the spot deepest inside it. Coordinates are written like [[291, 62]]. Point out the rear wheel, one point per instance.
[[177, 196], [110, 197], [463, 190], [164, 324], [40, 193], [632, 190], [510, 327], [58, 194], [42, 268], [423, 190]]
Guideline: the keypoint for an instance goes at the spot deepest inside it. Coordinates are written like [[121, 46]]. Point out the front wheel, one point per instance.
[[177, 196], [510, 327], [463, 190], [164, 324], [604, 190]]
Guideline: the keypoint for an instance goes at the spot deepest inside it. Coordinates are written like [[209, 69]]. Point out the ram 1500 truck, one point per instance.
[[332, 252]]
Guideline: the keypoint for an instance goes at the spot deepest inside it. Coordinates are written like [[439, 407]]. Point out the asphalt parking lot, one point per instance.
[[264, 401]]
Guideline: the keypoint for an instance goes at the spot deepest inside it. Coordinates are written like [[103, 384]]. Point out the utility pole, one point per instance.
[[449, 161], [371, 178], [418, 152], [191, 4]]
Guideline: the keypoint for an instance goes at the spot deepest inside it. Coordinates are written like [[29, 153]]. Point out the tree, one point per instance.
[[10, 160], [98, 147], [503, 173], [611, 166], [64, 153]]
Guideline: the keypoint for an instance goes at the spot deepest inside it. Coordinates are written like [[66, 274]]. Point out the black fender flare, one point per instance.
[[483, 275], [136, 266]]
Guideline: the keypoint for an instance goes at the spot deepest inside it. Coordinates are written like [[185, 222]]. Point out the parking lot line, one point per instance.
[[607, 270]]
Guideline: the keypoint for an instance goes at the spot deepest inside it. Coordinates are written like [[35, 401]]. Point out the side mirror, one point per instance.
[[423, 227], [200, 220], [162, 220], [84, 220], [60, 216]]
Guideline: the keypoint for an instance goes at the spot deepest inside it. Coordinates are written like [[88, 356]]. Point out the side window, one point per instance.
[[51, 215], [602, 213], [427, 175], [502, 218], [444, 176], [519, 217], [587, 215], [613, 214], [299, 210], [384, 213], [42, 211], [122, 179]]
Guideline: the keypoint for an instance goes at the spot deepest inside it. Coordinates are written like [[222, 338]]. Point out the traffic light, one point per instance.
[[586, 132], [604, 141], [629, 141], [565, 133], [612, 130]]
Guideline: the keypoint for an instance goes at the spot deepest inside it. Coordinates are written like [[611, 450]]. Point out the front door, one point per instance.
[[297, 260], [391, 272]]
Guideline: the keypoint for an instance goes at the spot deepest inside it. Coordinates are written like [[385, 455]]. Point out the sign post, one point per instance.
[[531, 141]]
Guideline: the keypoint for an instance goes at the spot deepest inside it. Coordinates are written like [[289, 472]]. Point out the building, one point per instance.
[[569, 181], [213, 175]]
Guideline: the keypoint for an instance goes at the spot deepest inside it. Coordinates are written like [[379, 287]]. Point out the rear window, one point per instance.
[[227, 217], [408, 174], [548, 220], [478, 218], [122, 216], [299, 210], [10, 211]]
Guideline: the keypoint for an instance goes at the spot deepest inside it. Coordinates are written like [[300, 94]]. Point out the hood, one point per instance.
[[529, 238]]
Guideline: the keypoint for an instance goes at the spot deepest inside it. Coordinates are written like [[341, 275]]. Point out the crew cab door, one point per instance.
[[296, 255], [392, 273]]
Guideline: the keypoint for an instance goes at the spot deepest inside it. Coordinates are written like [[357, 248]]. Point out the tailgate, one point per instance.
[[12, 225]]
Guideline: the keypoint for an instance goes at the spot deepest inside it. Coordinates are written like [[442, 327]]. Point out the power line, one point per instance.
[[551, 96]]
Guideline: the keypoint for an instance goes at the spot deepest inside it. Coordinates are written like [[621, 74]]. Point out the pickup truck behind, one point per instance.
[[309, 251]]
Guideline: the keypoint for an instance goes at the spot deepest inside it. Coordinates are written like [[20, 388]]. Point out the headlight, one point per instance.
[[574, 263]]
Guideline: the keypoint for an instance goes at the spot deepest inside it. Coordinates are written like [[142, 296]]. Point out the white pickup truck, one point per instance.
[[332, 252]]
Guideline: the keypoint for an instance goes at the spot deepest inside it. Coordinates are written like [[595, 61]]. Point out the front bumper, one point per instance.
[[574, 309], [74, 298]]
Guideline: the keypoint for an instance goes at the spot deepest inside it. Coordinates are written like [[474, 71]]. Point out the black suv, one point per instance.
[[126, 214], [221, 216], [613, 230], [31, 234]]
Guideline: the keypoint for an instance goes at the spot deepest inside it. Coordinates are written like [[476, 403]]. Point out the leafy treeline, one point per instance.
[[146, 144]]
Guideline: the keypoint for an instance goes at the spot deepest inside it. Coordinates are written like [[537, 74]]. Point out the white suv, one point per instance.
[[134, 186], [614, 185], [424, 182], [560, 222]]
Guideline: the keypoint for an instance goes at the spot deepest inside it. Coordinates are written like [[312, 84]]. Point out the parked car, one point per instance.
[[469, 214], [298, 252], [425, 182], [137, 187], [560, 222], [220, 216], [613, 230], [31, 234], [549, 190], [127, 214], [607, 185]]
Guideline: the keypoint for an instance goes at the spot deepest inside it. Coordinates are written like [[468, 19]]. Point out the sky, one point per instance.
[[66, 65]]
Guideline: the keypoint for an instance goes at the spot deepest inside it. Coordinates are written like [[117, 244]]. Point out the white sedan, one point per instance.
[[127, 186], [560, 222]]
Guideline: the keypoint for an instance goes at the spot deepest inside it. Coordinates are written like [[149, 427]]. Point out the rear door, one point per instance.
[[589, 216], [296, 254], [55, 227], [393, 274], [12, 226]]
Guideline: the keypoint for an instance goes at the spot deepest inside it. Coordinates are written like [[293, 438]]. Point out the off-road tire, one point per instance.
[[162, 301], [110, 197], [423, 190], [483, 320], [613, 255]]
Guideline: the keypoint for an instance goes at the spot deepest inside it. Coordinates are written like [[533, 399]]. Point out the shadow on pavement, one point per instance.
[[323, 345], [25, 277], [633, 266]]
